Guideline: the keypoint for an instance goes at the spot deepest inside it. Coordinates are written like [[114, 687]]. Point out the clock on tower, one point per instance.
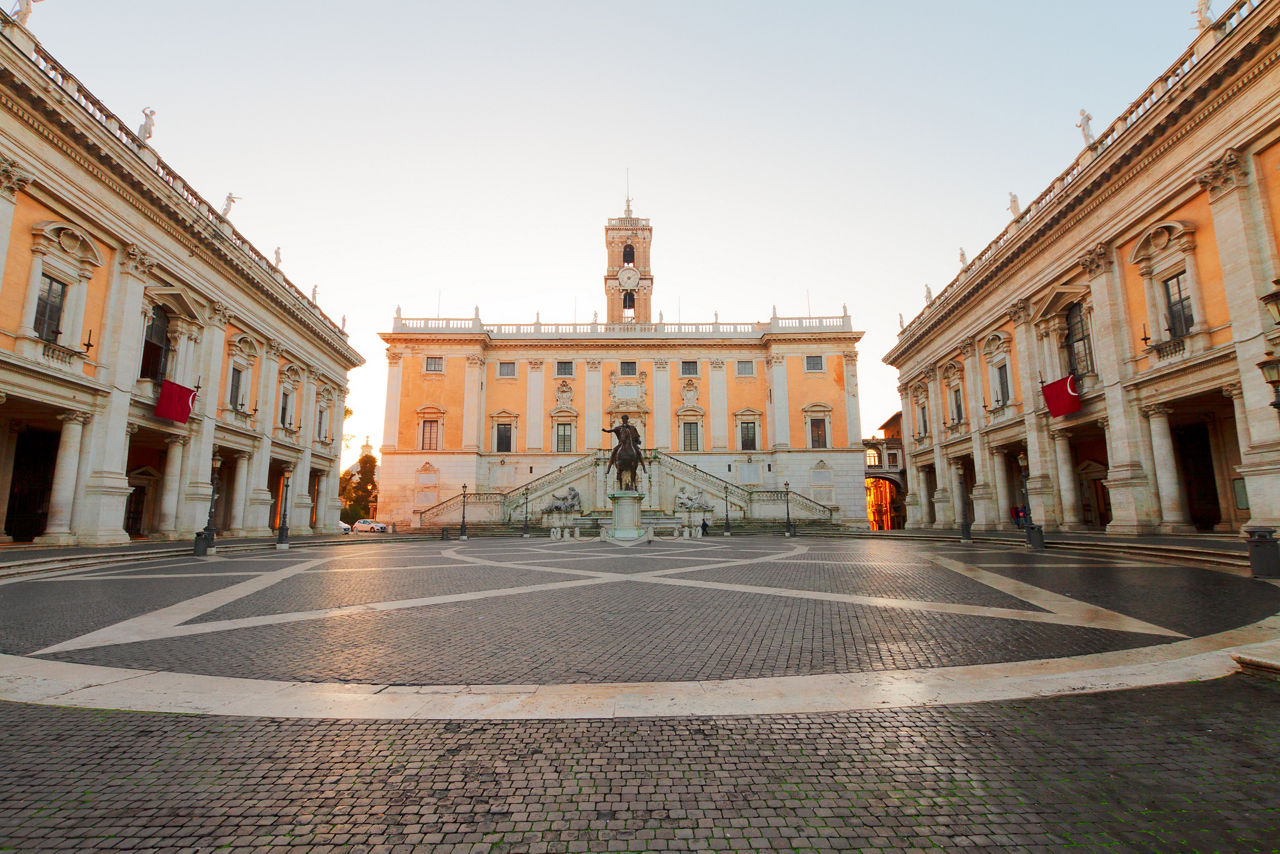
[[628, 281]]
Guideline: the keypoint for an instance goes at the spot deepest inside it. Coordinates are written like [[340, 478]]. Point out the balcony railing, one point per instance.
[[716, 329], [1170, 349]]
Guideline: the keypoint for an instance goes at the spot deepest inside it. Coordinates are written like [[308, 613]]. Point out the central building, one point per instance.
[[762, 416]]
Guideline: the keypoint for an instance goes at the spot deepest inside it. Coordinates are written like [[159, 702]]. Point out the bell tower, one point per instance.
[[628, 280]]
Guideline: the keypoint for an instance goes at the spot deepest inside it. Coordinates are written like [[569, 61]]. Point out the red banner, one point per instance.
[[176, 402], [1062, 397]]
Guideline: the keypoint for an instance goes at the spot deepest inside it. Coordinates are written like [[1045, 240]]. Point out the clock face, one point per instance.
[[628, 277]]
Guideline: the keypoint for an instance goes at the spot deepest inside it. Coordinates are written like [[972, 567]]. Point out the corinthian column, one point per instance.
[[63, 491], [1172, 508], [1070, 495]]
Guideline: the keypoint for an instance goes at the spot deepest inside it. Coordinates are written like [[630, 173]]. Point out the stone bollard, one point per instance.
[[1264, 552]]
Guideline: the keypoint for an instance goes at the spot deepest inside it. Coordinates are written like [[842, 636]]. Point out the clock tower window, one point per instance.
[[629, 300], [628, 255]]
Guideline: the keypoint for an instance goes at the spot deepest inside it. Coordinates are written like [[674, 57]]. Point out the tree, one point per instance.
[[359, 489]]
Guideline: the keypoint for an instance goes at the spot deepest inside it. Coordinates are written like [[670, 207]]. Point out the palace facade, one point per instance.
[[118, 280], [1138, 272], [753, 419]]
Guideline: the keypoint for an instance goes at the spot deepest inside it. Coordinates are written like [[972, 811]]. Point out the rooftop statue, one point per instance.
[[1085, 130], [901, 325], [1204, 18], [928, 294], [1014, 207], [148, 126], [964, 259], [277, 256], [22, 12], [230, 200]]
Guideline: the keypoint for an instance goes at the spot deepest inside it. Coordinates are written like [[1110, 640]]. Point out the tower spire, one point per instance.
[[627, 212]]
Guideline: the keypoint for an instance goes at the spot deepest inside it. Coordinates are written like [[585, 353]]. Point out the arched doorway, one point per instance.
[[886, 504]]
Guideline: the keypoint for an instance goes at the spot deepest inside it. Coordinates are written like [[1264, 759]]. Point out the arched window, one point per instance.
[[628, 254], [873, 457], [1079, 354], [629, 299], [155, 346]]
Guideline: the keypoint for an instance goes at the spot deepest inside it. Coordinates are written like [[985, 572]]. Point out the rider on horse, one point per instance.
[[628, 436]]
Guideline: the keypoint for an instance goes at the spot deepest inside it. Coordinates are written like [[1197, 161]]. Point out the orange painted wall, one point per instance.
[[509, 393], [748, 393], [807, 387]]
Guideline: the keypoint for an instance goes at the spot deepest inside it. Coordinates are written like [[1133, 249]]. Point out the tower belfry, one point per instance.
[[628, 280]]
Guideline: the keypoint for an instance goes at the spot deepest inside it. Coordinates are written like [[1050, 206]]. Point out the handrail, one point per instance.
[[456, 501], [515, 495], [801, 500], [741, 492]]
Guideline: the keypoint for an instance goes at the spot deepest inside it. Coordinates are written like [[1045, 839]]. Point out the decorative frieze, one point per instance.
[[1097, 260]]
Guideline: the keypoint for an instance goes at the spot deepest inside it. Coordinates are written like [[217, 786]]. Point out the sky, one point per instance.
[[444, 156]]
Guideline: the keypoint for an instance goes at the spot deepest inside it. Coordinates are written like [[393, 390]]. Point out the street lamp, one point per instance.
[[526, 512], [1271, 299], [1270, 368], [462, 531], [282, 531], [1035, 534], [204, 539], [726, 510], [786, 484]]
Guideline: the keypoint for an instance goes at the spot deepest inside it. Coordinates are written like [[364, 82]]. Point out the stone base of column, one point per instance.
[[104, 538], [100, 510], [67, 539], [165, 536], [1175, 528], [1130, 529]]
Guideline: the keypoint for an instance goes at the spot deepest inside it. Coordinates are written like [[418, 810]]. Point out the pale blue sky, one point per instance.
[[791, 154]]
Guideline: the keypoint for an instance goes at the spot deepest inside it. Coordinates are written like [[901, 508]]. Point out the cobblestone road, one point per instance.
[[1188, 767]]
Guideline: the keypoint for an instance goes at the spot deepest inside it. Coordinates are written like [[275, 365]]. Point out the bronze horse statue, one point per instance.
[[626, 455]]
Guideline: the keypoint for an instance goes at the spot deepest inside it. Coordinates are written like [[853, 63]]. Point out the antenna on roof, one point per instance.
[[628, 211]]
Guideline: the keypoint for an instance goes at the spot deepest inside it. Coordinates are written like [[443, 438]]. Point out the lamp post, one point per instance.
[[1035, 534], [526, 512], [282, 530], [1270, 368], [726, 510], [786, 485], [462, 531], [204, 539]]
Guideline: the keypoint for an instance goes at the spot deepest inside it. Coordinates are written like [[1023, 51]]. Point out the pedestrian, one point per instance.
[[705, 527]]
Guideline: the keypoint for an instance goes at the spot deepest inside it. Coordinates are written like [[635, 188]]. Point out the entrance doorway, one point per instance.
[[1195, 458], [33, 461]]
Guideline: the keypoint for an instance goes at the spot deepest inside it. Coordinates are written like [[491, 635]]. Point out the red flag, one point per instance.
[[175, 402], [1062, 397]]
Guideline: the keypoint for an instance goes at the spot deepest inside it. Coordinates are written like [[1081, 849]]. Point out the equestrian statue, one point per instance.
[[626, 455]]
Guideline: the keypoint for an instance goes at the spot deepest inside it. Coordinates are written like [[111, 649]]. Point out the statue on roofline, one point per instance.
[[22, 12]]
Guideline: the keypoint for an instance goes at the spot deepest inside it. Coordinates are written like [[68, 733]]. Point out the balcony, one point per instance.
[[1165, 350]]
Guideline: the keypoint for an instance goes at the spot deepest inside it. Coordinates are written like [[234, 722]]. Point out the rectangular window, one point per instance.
[[689, 369], [564, 438], [957, 405], [924, 420], [506, 369], [689, 434], [49, 309], [893, 459], [503, 443], [1002, 384], [322, 424], [813, 363], [430, 435], [1179, 300], [434, 364], [746, 368], [628, 369], [817, 432], [233, 396], [747, 434], [285, 420], [564, 369]]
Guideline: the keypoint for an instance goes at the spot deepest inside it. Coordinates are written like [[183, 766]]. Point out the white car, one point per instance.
[[344, 527], [369, 526]]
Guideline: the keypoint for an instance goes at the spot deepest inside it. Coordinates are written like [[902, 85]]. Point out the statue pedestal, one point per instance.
[[626, 516]]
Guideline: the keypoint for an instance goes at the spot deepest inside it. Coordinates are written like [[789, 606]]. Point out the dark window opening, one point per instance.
[[1079, 354], [53, 294], [504, 439], [564, 438], [628, 255], [1179, 301], [628, 369], [155, 346], [629, 300], [233, 397], [818, 433], [747, 432]]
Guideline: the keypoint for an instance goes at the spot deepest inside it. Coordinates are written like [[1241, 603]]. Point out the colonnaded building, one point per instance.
[[1143, 272], [118, 280], [759, 417]]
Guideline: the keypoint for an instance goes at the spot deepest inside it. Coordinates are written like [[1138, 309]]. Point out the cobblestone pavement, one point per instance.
[[1188, 767], [1176, 769]]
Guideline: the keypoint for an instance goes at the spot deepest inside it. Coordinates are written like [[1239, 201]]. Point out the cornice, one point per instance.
[[61, 120], [1085, 197]]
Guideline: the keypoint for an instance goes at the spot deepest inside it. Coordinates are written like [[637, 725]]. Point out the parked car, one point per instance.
[[369, 526], [346, 529]]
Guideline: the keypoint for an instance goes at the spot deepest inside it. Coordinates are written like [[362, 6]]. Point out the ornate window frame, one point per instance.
[[242, 354], [1165, 250], [747, 416], [813, 412], [65, 254], [508, 418], [953, 398], [995, 352], [287, 407], [430, 412]]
